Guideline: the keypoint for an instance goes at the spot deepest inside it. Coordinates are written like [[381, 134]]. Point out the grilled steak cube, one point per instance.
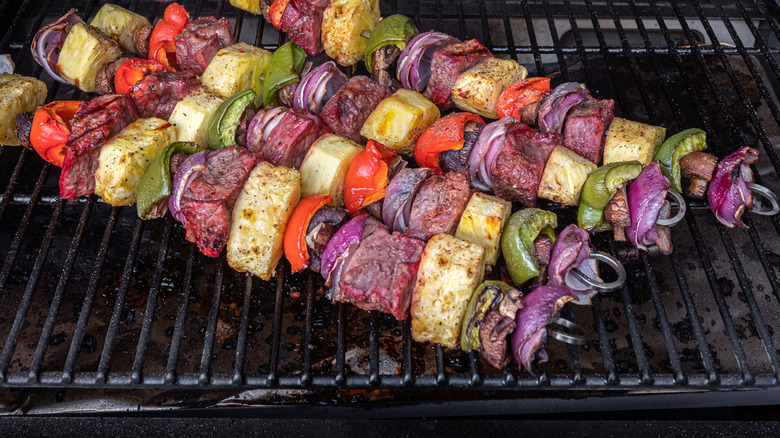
[[447, 65], [289, 142], [94, 122], [518, 168], [208, 201], [585, 126], [200, 41], [349, 108], [449, 271], [381, 273], [439, 204], [302, 22], [157, 93]]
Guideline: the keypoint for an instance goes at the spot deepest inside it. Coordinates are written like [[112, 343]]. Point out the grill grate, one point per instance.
[[93, 297]]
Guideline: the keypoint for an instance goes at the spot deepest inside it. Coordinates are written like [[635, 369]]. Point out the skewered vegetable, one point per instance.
[[564, 176], [698, 167], [599, 189], [399, 120], [447, 65], [282, 69], [395, 29], [192, 115], [538, 310], [155, 186], [325, 167], [318, 86], [295, 248], [674, 149], [224, 122], [131, 71], [646, 196], [553, 110], [119, 24], [399, 197], [729, 194], [17, 95], [50, 128], [251, 6], [340, 247], [367, 177], [478, 88], [84, 52], [343, 25], [449, 271], [482, 223], [162, 47], [260, 218], [489, 319], [632, 141], [445, 134], [124, 159], [47, 43], [414, 63], [517, 242], [516, 97], [234, 69]]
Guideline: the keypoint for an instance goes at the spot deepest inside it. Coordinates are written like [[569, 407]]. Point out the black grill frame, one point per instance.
[[763, 23]]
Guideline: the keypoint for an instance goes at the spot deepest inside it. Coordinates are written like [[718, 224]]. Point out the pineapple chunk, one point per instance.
[[235, 69], [125, 157], [344, 24], [482, 223], [192, 115], [17, 95], [85, 50], [398, 120], [251, 6], [564, 176], [119, 24], [326, 165], [477, 89], [449, 271], [628, 140], [260, 216]]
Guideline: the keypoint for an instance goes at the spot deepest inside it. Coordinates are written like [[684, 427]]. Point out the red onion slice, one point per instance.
[[539, 309], [261, 125], [553, 109], [728, 193], [397, 205], [317, 86], [416, 57], [645, 196], [48, 41], [6, 64], [189, 169], [485, 151], [349, 234]]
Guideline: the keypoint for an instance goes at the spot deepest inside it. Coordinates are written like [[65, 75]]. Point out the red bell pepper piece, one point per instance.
[[366, 178], [276, 11], [131, 71], [516, 96], [295, 248], [444, 135], [50, 129], [161, 42]]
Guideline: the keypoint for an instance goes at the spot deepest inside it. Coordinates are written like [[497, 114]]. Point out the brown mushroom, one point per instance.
[[542, 253], [383, 68], [141, 40], [492, 338], [664, 241], [104, 80], [698, 167], [22, 127], [616, 213]]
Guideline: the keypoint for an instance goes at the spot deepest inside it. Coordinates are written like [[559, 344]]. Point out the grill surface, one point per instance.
[[90, 296]]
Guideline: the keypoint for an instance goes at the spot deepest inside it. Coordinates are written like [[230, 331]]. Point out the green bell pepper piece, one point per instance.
[[395, 29], [486, 296], [517, 241], [155, 183], [224, 122], [599, 189], [676, 147], [283, 69]]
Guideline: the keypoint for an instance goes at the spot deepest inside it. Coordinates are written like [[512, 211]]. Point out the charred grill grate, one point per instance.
[[90, 296]]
